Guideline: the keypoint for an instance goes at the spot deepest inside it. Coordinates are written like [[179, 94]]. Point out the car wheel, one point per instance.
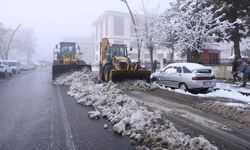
[[204, 90], [153, 80], [5, 75], [183, 87]]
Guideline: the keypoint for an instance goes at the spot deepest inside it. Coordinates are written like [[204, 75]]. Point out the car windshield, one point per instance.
[[69, 49]]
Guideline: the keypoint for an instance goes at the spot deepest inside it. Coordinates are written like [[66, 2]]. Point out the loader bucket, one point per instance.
[[118, 76], [58, 69]]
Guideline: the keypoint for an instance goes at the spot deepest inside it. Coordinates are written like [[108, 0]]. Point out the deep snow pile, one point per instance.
[[126, 116]]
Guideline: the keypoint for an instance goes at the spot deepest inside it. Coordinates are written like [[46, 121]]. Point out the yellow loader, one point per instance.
[[115, 64], [67, 59]]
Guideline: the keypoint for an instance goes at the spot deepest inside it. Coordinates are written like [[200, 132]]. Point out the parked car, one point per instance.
[[186, 76], [26, 67], [5, 70], [14, 65]]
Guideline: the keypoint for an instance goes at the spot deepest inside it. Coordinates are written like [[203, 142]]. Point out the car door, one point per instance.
[[176, 76], [168, 76], [161, 77]]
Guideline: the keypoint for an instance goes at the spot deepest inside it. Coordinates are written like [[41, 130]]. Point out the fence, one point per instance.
[[211, 62]]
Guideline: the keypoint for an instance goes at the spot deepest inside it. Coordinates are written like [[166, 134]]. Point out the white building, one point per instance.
[[119, 29]]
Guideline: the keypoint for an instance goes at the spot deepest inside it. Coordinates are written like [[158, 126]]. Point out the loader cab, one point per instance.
[[68, 48], [117, 50]]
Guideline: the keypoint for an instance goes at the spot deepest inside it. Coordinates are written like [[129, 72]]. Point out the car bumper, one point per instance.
[[202, 84]]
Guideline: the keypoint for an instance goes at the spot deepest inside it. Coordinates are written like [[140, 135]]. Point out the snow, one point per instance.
[[105, 126], [235, 95], [236, 105], [126, 116], [232, 87], [94, 114], [190, 66], [224, 91]]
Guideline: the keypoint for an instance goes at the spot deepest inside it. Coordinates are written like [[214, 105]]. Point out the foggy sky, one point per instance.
[[53, 20]]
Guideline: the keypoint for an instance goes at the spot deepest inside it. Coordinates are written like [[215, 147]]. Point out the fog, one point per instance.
[[54, 20]]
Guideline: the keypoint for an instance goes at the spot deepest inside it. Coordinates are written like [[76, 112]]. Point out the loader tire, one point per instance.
[[101, 73], [107, 69]]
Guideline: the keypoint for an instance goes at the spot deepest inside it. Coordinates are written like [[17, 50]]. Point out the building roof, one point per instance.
[[108, 13]]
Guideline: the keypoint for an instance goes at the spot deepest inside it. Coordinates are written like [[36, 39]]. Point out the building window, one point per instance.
[[118, 26], [213, 58], [118, 42], [106, 26], [101, 30]]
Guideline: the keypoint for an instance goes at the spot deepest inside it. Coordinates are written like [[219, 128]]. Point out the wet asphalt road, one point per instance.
[[34, 114]]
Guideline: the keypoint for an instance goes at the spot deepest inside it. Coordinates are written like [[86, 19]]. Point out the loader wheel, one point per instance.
[[101, 73], [106, 73]]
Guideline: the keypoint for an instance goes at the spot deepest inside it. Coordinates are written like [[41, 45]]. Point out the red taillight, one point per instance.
[[203, 78]]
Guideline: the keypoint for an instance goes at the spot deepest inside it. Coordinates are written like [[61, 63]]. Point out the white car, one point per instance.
[[14, 65], [186, 76], [4, 69]]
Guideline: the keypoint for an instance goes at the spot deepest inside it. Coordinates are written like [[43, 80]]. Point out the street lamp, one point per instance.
[[136, 32]]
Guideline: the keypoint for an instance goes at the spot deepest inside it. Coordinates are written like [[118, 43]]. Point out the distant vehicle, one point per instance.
[[186, 76], [26, 67], [14, 65], [5, 70]]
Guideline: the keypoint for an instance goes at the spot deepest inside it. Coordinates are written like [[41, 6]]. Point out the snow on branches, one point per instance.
[[188, 26]]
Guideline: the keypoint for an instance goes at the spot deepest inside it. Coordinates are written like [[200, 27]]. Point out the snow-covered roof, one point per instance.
[[191, 66], [213, 46]]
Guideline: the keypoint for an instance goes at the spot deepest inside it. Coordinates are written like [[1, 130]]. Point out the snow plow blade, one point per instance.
[[58, 69], [118, 76]]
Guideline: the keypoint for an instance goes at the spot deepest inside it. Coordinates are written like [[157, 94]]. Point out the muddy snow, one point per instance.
[[149, 129]]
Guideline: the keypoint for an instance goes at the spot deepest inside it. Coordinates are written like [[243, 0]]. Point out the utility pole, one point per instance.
[[136, 32]]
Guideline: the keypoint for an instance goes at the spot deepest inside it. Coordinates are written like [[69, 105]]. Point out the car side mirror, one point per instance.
[[56, 46], [131, 49]]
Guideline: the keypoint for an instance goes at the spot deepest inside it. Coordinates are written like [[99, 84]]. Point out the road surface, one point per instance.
[[34, 114]]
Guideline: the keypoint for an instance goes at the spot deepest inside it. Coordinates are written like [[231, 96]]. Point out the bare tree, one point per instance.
[[149, 21], [24, 43], [6, 41]]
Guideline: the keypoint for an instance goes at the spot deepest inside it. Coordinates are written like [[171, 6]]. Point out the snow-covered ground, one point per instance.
[[126, 115], [224, 90]]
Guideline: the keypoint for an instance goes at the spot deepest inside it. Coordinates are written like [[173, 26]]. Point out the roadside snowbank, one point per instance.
[[225, 91], [149, 128]]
